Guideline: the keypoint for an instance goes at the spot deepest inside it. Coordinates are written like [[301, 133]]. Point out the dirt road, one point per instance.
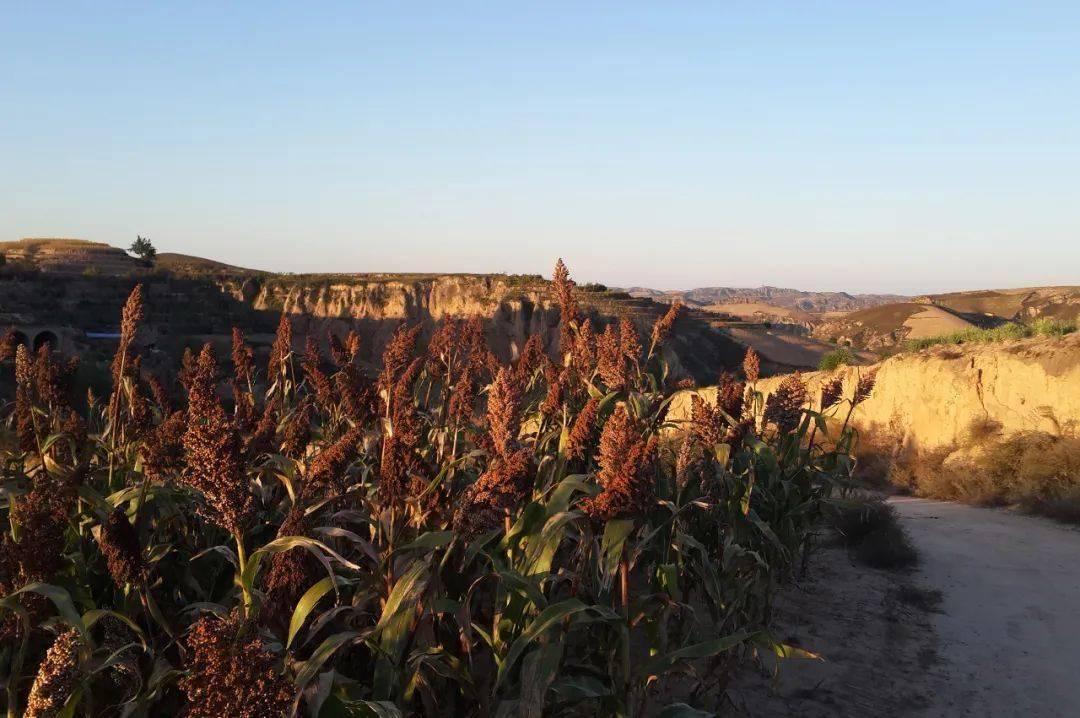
[[1008, 625], [988, 624]]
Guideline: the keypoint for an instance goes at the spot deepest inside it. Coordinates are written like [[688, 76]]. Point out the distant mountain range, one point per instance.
[[810, 302]]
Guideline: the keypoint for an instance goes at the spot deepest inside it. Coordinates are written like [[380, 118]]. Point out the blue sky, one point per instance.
[[823, 145]]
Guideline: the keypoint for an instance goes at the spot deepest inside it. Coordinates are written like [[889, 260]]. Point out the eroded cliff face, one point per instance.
[[185, 310], [933, 399], [513, 309], [376, 308]]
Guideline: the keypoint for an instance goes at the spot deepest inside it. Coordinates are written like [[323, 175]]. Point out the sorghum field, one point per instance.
[[450, 537]]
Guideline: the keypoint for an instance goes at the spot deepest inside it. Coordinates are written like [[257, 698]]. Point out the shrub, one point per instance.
[[1046, 327], [143, 249], [888, 548], [836, 359], [1064, 507], [870, 528], [854, 519], [1037, 471]]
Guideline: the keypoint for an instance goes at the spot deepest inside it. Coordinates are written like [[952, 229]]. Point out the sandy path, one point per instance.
[[1008, 630]]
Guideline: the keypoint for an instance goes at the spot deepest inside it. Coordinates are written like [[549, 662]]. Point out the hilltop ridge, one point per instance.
[[68, 256], [790, 328]]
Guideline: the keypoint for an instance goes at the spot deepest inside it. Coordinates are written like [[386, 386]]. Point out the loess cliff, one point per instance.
[[186, 308], [932, 399]]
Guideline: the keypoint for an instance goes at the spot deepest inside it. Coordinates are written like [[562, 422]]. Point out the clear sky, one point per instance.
[[868, 146]]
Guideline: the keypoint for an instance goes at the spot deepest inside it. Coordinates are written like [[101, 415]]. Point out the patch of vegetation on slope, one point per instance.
[[836, 359], [1006, 332]]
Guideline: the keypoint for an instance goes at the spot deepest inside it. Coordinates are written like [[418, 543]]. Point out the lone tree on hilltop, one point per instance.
[[142, 249]]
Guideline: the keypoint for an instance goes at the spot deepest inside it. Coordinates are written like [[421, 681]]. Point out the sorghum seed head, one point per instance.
[[495, 494], [503, 411], [317, 379], [784, 406], [290, 573], [120, 547], [325, 476], [212, 451], [611, 362], [397, 356], [243, 358], [730, 394], [557, 384], [865, 387], [831, 391], [663, 326], [230, 675], [56, 677], [751, 366], [279, 351], [628, 338], [583, 430], [626, 462], [706, 422]]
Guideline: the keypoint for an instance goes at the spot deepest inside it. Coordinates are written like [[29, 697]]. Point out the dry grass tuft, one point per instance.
[[871, 530], [1038, 471]]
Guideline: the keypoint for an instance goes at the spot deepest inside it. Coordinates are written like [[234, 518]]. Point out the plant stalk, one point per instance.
[[241, 559], [624, 585]]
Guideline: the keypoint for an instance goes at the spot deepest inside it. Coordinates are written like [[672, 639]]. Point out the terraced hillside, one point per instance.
[[69, 256]]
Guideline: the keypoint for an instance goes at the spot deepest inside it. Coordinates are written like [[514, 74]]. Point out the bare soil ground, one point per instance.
[[932, 322], [986, 625], [872, 629]]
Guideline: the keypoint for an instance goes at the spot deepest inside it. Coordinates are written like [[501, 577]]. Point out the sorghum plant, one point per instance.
[[450, 536]]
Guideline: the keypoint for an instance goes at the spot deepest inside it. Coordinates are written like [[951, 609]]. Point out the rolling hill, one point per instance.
[[994, 306], [889, 324], [795, 299]]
